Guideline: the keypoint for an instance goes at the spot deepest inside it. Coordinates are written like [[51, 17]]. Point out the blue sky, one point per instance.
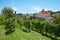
[[31, 6]]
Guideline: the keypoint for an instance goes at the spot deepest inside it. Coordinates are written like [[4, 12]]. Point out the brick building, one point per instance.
[[45, 14]]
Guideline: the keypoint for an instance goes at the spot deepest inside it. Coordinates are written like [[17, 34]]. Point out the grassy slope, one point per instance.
[[20, 35]]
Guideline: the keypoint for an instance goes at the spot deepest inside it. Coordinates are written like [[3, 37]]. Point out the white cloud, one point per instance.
[[17, 9], [37, 8], [47, 9], [0, 9], [14, 7], [13, 3]]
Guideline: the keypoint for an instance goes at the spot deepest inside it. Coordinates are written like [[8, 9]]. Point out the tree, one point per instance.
[[9, 26], [28, 25], [57, 19], [2, 19], [15, 19], [10, 21], [7, 11], [57, 25], [20, 22]]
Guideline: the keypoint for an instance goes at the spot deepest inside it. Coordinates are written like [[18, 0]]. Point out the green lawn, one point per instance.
[[20, 35]]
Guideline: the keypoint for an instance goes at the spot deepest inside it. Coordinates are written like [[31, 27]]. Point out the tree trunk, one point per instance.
[[30, 26], [15, 19]]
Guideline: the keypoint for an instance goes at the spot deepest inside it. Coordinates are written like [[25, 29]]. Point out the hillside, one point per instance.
[[20, 35]]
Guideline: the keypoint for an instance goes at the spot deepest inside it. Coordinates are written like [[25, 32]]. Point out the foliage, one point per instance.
[[57, 19], [7, 11], [57, 25], [2, 19], [20, 35], [28, 25], [39, 25], [9, 26], [20, 22]]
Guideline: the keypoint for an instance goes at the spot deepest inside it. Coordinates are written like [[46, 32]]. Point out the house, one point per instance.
[[29, 16], [45, 14]]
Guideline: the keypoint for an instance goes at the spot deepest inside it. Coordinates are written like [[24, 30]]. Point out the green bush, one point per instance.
[[9, 26], [2, 19]]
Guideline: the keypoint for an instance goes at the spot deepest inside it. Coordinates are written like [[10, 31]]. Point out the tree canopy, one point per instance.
[[7, 11]]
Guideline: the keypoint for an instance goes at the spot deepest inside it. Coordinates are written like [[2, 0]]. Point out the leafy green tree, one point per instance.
[[7, 11], [20, 22], [57, 19], [2, 19], [28, 25], [57, 25], [9, 26], [10, 21]]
